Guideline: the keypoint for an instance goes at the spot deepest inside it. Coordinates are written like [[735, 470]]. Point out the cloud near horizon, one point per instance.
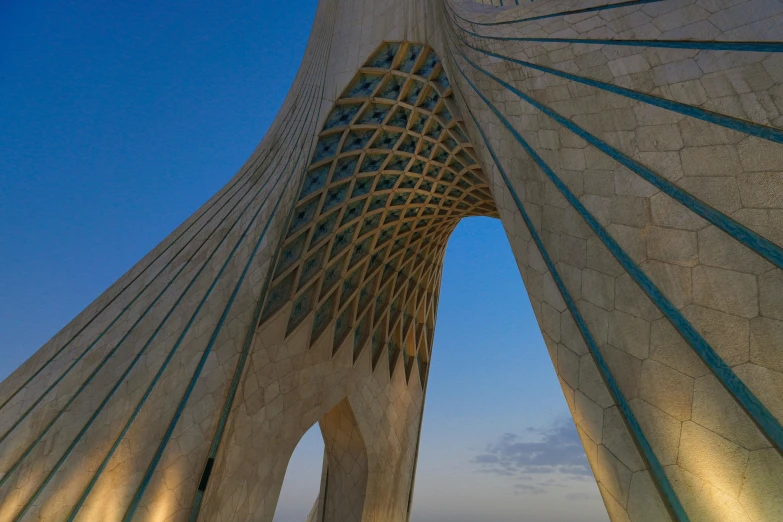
[[538, 459]]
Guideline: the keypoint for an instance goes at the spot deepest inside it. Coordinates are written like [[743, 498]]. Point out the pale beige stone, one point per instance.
[[715, 409], [712, 458], [614, 476], [589, 416], [661, 430], [644, 501], [727, 334], [630, 334], [726, 290], [667, 389]]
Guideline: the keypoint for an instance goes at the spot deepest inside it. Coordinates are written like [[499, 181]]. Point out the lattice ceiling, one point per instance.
[[391, 175]]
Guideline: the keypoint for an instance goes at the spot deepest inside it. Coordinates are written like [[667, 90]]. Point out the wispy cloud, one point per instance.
[[537, 459]]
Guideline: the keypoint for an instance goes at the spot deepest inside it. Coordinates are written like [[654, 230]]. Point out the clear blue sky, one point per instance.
[[119, 119]]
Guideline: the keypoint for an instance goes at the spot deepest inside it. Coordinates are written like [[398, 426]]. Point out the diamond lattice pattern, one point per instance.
[[391, 175]]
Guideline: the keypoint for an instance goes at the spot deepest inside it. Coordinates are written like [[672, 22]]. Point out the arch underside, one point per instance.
[[392, 174]]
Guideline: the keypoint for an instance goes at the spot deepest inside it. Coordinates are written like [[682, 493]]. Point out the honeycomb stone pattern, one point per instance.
[[391, 176]]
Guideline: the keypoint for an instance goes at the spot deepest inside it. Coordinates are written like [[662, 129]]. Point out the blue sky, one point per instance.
[[119, 119]]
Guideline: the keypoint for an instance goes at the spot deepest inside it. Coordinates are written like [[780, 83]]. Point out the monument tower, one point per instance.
[[633, 151]]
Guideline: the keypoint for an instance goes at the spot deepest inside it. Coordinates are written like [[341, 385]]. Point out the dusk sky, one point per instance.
[[119, 119]]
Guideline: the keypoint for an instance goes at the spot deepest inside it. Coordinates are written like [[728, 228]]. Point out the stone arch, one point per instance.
[[638, 180], [346, 467], [392, 174]]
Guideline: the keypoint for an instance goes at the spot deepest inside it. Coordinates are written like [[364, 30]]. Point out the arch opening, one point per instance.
[[303, 479], [341, 485]]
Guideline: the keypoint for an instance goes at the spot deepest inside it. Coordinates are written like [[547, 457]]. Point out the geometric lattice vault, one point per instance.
[[392, 174]]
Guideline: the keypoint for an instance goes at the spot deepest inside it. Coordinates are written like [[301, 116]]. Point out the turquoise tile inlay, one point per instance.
[[341, 240], [311, 266], [303, 214], [412, 52], [417, 167], [456, 165], [385, 56], [331, 277], [409, 182], [327, 146], [360, 251], [434, 130], [430, 100], [443, 80], [400, 198], [419, 120], [346, 167], [398, 163], [466, 159], [414, 91], [399, 118], [426, 149], [457, 130], [335, 196], [352, 211], [392, 216], [322, 318], [370, 224], [342, 115], [373, 162], [315, 180], [387, 181], [409, 144], [302, 306], [386, 140], [441, 156], [323, 228], [374, 114], [290, 253], [357, 139], [430, 62], [377, 202], [391, 89], [363, 86], [362, 186]]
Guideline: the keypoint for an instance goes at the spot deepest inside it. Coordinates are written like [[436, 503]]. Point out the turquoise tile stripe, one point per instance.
[[240, 367], [753, 47], [757, 243], [183, 402], [106, 359], [241, 191], [729, 122], [561, 13], [119, 382], [135, 278], [753, 406], [662, 481], [10, 471], [122, 339], [105, 462]]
